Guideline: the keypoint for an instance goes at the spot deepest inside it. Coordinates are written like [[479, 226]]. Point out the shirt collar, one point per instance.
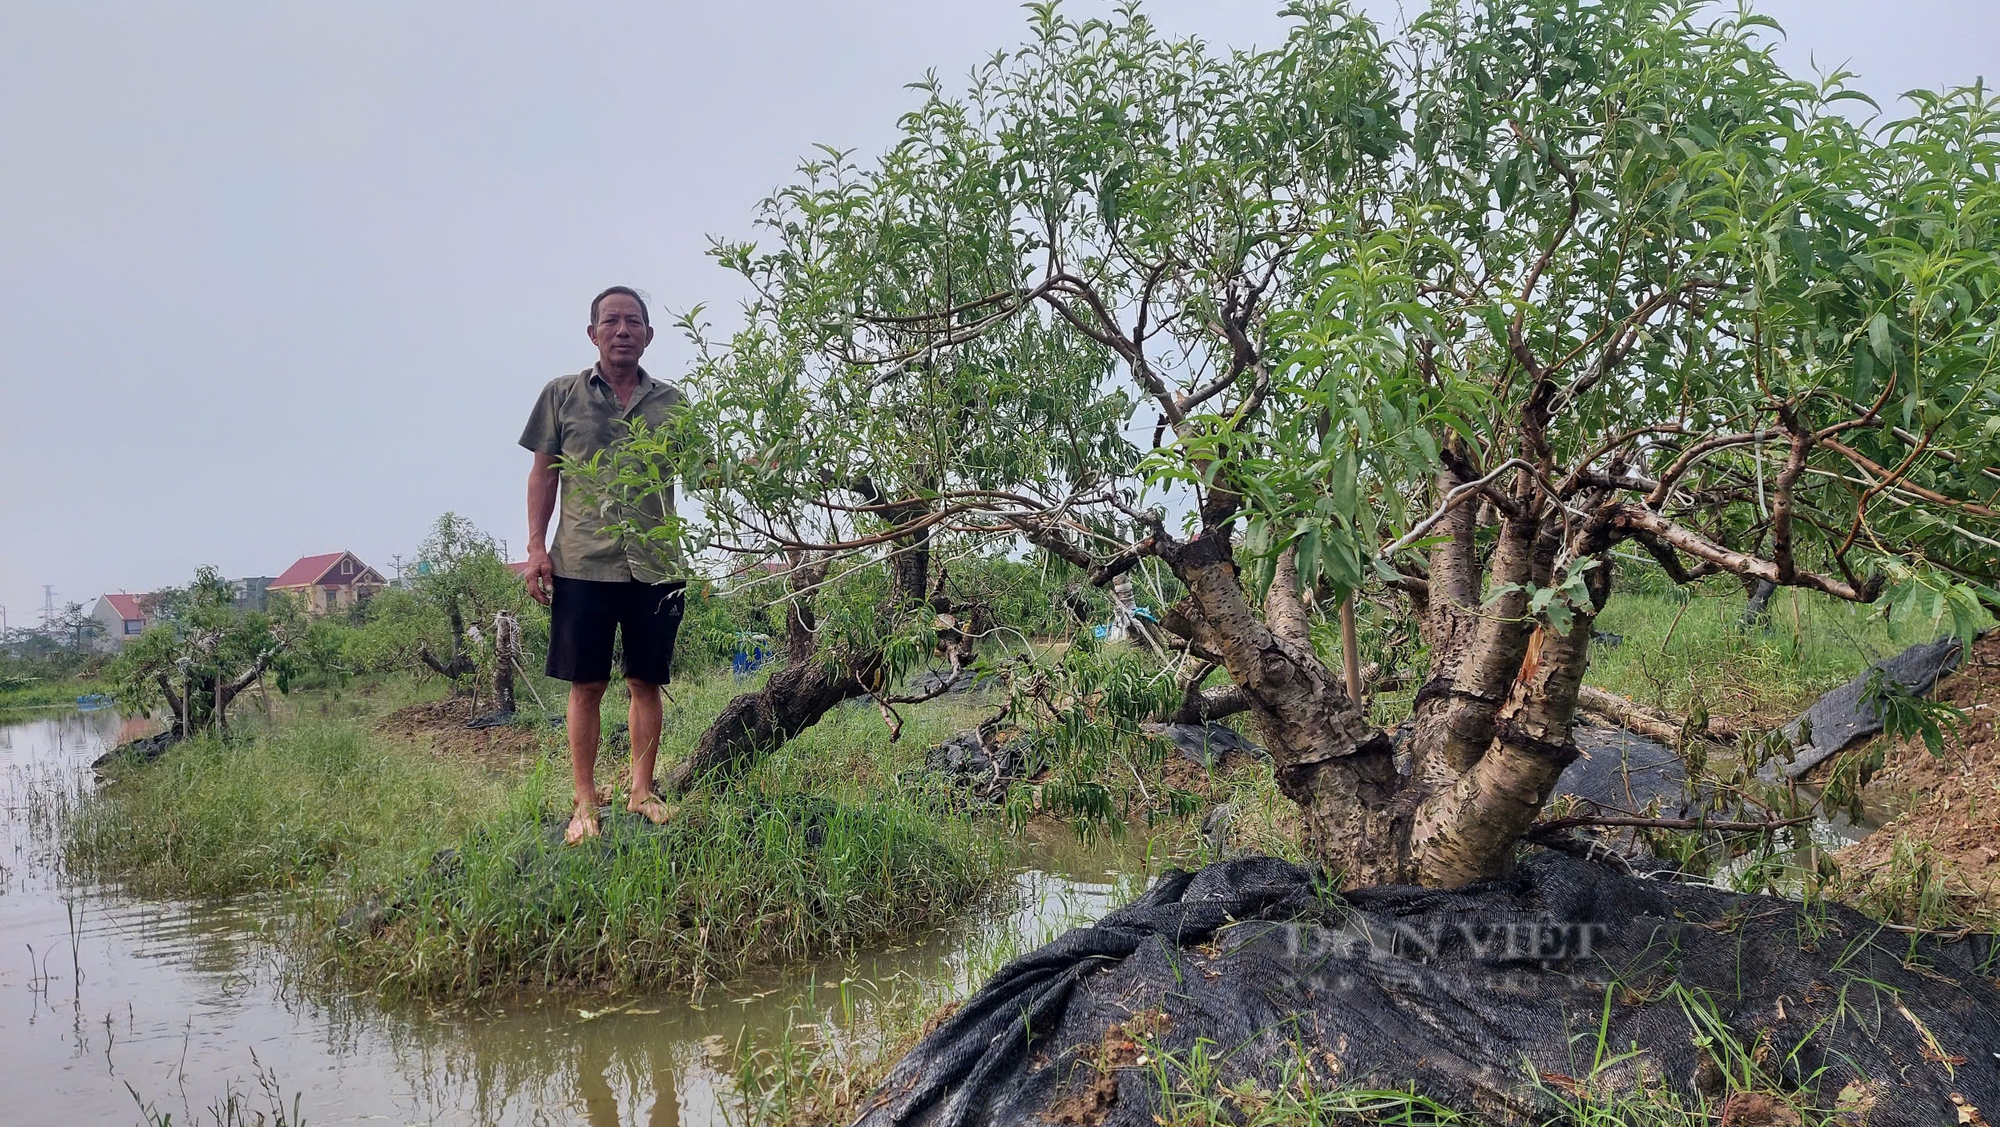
[[646, 382]]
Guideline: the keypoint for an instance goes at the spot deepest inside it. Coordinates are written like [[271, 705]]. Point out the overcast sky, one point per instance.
[[278, 279]]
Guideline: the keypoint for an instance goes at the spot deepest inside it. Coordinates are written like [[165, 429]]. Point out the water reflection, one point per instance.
[[185, 1002]]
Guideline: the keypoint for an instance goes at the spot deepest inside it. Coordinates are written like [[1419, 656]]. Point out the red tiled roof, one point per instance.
[[309, 569], [126, 605], [520, 568]]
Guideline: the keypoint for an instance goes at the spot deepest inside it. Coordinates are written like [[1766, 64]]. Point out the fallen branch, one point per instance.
[[1204, 706], [1653, 723]]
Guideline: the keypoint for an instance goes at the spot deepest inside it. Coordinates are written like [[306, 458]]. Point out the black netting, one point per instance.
[[1843, 716], [1461, 992]]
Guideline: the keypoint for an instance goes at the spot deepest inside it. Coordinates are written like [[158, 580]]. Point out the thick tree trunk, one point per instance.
[[227, 691], [1468, 833], [460, 663], [1446, 624], [753, 724], [506, 652], [1466, 697], [1327, 759], [795, 697], [175, 701], [1203, 705], [1497, 731]]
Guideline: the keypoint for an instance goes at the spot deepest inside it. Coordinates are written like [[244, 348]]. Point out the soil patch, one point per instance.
[[441, 726], [1943, 839]]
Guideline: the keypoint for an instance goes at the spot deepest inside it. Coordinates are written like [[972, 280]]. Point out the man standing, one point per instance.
[[593, 581]]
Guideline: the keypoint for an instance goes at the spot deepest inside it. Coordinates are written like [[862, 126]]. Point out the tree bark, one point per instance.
[[1204, 705], [754, 724], [227, 691], [1468, 833], [1465, 699], [452, 670], [1447, 625], [807, 688], [506, 652], [176, 702], [1340, 772], [1653, 723]]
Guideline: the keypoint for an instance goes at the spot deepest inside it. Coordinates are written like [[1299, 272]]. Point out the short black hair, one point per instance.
[[644, 314]]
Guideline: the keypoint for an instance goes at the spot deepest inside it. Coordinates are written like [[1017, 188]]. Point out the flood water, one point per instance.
[[103, 995]]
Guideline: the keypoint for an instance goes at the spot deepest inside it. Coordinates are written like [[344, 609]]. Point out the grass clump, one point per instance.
[[731, 880], [282, 809]]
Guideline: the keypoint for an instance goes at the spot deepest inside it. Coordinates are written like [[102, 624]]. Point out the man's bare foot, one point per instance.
[[583, 824], [651, 807]]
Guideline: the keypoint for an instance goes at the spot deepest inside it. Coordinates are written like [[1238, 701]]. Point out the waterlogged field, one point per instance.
[[195, 1005], [357, 911]]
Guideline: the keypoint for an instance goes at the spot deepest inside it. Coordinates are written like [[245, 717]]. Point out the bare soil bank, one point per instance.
[[1945, 832], [440, 725]]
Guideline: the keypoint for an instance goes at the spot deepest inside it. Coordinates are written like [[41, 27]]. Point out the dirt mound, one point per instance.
[[441, 726], [1518, 1000], [1945, 842]]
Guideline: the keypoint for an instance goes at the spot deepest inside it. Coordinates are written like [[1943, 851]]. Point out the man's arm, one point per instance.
[[542, 481]]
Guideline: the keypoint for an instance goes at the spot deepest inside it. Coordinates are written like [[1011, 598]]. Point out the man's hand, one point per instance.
[[542, 481], [541, 575]]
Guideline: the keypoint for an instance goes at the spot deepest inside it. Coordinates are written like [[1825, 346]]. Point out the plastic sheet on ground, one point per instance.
[[1620, 770], [1488, 999], [1207, 745], [1843, 717]]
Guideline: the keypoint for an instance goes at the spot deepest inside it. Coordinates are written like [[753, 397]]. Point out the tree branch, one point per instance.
[[1635, 519]]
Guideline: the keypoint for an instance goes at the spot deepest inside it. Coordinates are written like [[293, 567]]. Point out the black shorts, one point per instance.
[[584, 612]]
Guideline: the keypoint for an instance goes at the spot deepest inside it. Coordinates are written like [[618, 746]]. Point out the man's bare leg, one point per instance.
[[645, 722], [583, 725]]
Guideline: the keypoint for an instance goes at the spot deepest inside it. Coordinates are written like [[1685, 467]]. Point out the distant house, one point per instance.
[[330, 582], [249, 591], [123, 617]]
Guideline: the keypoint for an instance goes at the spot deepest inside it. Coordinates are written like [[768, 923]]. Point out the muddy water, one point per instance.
[[184, 1003]]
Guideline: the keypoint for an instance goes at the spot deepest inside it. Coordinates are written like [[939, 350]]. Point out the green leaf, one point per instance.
[[1878, 337]]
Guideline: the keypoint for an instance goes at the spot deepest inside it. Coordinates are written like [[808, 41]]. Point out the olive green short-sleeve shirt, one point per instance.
[[576, 417]]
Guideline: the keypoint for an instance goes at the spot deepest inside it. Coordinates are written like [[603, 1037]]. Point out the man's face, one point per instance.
[[621, 333]]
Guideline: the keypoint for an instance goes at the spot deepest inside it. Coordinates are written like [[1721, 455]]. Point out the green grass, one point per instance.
[[1679, 652], [311, 800], [731, 880], [821, 846], [19, 694]]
